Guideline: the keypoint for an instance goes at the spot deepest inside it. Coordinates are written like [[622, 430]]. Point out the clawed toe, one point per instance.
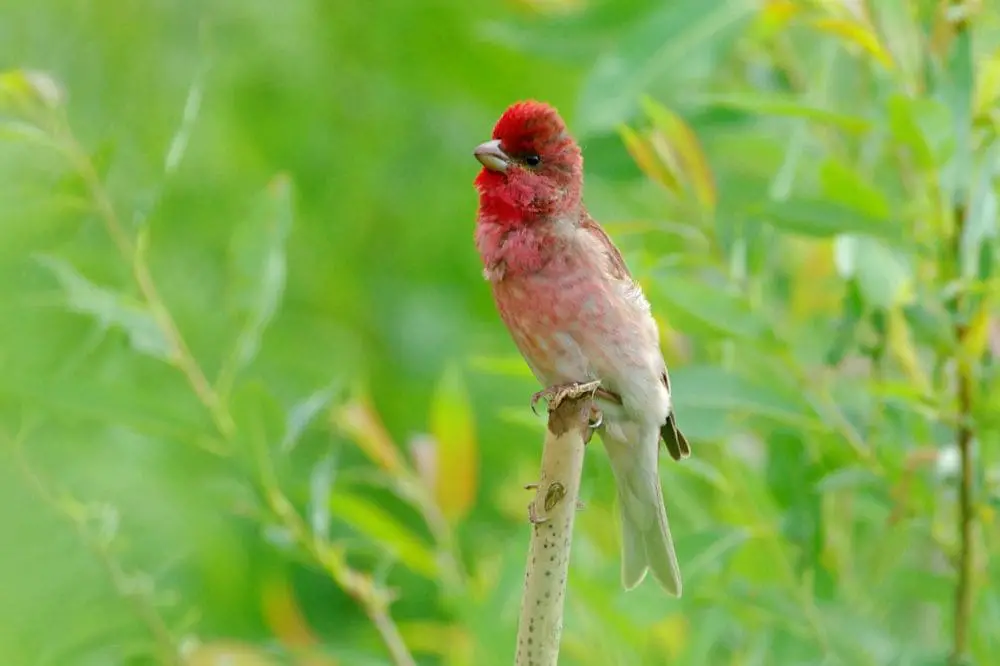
[[554, 395]]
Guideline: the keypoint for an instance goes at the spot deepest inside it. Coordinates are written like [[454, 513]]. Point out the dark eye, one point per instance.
[[532, 160]]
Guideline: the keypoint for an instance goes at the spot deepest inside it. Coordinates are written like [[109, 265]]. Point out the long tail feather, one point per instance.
[[646, 541]]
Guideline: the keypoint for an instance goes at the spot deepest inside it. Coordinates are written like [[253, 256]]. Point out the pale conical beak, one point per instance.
[[491, 156]]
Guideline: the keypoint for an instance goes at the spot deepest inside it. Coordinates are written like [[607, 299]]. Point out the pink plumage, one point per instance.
[[574, 312]]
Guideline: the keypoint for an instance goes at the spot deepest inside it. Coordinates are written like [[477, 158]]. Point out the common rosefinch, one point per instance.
[[576, 315]]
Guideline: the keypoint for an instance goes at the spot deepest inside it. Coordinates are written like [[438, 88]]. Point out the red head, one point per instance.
[[532, 169]]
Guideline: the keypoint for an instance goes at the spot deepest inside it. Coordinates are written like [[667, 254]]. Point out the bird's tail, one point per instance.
[[646, 541]]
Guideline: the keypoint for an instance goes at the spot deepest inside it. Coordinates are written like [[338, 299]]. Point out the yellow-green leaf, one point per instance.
[[451, 424], [904, 351], [857, 34], [384, 529], [685, 145], [977, 335], [657, 170], [987, 93], [358, 421]]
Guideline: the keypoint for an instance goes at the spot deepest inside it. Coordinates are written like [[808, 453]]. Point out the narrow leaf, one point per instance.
[[711, 305], [884, 276], [844, 185], [646, 159], [110, 309], [713, 387], [822, 219], [858, 34], [694, 163], [258, 268], [774, 104], [385, 530], [451, 424], [657, 46], [304, 413], [358, 420]]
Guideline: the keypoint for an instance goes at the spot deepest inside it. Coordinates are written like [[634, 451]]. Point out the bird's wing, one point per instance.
[[677, 445], [616, 264]]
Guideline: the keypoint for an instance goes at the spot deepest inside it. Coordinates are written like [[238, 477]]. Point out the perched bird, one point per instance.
[[576, 315]]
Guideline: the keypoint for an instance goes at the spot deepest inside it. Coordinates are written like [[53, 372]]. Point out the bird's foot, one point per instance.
[[596, 418], [554, 395]]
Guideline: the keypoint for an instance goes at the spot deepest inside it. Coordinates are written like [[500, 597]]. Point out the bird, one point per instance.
[[575, 313]]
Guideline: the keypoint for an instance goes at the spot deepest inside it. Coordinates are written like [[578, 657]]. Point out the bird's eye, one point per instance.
[[532, 160]]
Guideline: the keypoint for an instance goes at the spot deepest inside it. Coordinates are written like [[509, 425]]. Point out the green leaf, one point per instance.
[[258, 269], [320, 490], [19, 130], [706, 386], [847, 478], [884, 276], [819, 218], [715, 307], [907, 131], [304, 413], [658, 45], [456, 478], [980, 228], [28, 91], [384, 529], [958, 91], [786, 106], [110, 309], [844, 185], [693, 163]]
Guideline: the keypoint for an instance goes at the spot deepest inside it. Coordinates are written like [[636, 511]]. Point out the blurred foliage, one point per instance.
[[256, 406]]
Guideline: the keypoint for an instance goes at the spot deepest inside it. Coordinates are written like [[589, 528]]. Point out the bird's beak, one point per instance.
[[492, 156]]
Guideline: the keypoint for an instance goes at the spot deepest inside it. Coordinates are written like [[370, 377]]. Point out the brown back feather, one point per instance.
[[677, 445]]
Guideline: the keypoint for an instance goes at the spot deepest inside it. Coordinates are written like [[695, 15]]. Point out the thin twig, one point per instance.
[[965, 588], [373, 600], [134, 254], [72, 511], [964, 435]]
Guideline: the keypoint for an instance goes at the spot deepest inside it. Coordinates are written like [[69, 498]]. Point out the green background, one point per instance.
[[251, 378]]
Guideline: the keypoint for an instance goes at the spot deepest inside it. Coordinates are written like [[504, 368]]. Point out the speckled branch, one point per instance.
[[552, 513]]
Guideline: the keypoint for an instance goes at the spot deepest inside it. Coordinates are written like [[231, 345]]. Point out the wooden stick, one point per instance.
[[552, 513]]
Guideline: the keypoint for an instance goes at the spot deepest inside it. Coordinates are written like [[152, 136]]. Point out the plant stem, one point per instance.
[[372, 599], [134, 254], [552, 513], [165, 649], [966, 509]]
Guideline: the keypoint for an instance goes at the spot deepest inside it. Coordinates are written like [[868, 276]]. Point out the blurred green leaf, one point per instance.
[[110, 309], [846, 186], [958, 89], [906, 130], [658, 44], [846, 478], [457, 456], [383, 528], [304, 412], [684, 143], [717, 308], [258, 268], [884, 276], [777, 104], [18, 130], [820, 218], [710, 386]]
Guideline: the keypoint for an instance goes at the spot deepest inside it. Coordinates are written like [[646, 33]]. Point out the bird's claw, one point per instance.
[[596, 418], [554, 395]]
